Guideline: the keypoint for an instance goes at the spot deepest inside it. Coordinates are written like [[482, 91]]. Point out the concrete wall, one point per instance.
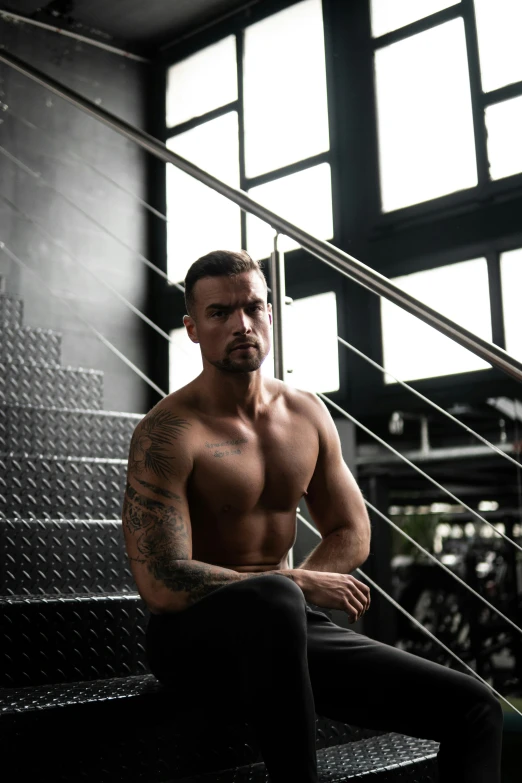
[[116, 84]]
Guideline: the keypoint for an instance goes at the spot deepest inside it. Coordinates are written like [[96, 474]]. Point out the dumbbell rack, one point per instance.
[[77, 699]]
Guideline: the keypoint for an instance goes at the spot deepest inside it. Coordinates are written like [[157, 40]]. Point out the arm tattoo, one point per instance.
[[159, 490], [161, 536], [149, 448]]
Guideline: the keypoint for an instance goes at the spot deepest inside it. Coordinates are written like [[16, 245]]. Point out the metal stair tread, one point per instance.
[[41, 697], [64, 598], [63, 409], [358, 760], [64, 458], [53, 367]]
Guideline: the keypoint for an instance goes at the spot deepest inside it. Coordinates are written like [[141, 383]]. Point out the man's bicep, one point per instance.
[[156, 517], [333, 496]]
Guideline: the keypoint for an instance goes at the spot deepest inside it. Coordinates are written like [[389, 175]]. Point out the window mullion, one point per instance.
[[475, 81], [495, 298], [240, 52]]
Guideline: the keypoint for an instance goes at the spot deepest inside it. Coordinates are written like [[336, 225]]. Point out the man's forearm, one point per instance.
[[188, 581], [340, 552]]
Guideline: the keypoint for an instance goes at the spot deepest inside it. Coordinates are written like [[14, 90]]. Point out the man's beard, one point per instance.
[[233, 365]]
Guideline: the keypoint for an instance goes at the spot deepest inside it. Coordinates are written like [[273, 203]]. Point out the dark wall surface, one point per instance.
[[49, 231]]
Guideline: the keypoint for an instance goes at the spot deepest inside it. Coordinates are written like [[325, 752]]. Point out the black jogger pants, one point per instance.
[[258, 643]]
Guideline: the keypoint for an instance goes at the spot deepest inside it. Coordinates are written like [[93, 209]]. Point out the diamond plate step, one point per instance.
[[30, 429], [49, 639], [158, 738], [11, 310], [40, 384], [390, 758], [61, 488], [63, 557], [30, 345]]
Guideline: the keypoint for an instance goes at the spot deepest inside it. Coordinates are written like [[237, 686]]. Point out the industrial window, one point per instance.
[[313, 352], [426, 137], [303, 198], [511, 273], [203, 82], [286, 118], [201, 220], [388, 15], [504, 126], [499, 27], [185, 361], [414, 350]]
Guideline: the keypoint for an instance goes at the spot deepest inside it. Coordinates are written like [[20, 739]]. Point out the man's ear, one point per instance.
[[269, 308], [190, 326]]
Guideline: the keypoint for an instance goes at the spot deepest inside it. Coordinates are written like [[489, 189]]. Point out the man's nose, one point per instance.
[[241, 322]]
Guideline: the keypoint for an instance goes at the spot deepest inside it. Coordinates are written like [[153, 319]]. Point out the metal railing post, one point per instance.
[[277, 279], [327, 253]]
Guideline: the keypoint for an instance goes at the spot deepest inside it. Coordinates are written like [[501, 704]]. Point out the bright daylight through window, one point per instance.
[[213, 147], [388, 15], [310, 353], [414, 350], [426, 137], [511, 275]]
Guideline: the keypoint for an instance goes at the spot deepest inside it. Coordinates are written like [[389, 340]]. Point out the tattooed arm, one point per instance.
[[156, 518]]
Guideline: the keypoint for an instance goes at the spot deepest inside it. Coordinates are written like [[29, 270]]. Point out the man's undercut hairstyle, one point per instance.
[[218, 263]]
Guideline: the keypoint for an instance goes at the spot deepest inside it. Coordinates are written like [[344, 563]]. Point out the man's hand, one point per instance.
[[334, 591]]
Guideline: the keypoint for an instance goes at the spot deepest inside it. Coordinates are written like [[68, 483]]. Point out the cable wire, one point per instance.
[[419, 470], [430, 402], [74, 156], [37, 175], [449, 571], [416, 622], [91, 328], [99, 279]]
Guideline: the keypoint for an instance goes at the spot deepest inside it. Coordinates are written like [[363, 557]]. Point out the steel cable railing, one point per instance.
[[429, 402], [38, 177], [414, 619], [71, 155], [326, 252], [444, 567], [323, 250], [91, 328], [416, 467], [93, 274]]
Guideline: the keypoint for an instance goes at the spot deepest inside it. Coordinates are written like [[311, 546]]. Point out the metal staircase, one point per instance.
[[77, 700]]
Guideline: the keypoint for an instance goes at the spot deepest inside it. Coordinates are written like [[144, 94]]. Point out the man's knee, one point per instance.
[[278, 593]]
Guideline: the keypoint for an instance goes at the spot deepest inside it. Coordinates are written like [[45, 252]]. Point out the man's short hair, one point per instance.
[[216, 264]]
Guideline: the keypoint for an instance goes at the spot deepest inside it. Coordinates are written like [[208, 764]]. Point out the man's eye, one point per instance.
[[217, 312]]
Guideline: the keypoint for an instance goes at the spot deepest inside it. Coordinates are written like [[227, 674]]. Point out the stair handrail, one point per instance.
[[326, 252]]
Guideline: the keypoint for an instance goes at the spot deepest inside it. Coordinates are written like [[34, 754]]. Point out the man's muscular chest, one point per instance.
[[240, 469]]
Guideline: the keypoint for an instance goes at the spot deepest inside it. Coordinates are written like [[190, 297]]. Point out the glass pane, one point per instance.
[[499, 27], [185, 361], [426, 138], [504, 126], [202, 82], [313, 347], [388, 15], [286, 117], [511, 271], [412, 349], [200, 220], [304, 198]]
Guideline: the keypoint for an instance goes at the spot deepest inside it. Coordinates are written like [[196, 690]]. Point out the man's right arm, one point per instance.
[[156, 519]]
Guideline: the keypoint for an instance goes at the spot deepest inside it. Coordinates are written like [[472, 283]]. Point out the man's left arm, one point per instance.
[[336, 504]]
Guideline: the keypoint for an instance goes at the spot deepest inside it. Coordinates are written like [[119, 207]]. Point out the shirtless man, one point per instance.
[[216, 472]]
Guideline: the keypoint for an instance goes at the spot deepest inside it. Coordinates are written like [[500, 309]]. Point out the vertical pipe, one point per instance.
[[277, 280]]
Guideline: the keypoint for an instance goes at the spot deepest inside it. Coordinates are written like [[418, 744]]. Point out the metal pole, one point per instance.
[[277, 278], [338, 259]]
